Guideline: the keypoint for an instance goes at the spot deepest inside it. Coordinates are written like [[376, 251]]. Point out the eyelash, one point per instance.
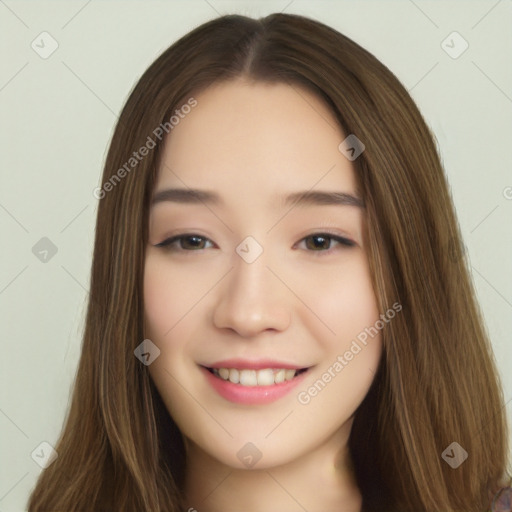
[[167, 244]]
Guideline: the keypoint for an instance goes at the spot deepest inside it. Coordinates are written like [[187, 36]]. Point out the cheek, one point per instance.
[[341, 299], [174, 314], [167, 300], [355, 303], [348, 305], [169, 295], [158, 301]]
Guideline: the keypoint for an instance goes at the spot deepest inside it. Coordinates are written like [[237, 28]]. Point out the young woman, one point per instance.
[[281, 316]]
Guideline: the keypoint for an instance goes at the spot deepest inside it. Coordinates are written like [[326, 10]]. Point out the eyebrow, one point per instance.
[[301, 198]]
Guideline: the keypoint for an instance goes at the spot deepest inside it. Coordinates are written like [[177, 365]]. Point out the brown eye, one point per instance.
[[190, 242], [321, 242], [318, 242]]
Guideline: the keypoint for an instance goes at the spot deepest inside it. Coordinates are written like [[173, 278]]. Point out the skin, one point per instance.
[[250, 142]]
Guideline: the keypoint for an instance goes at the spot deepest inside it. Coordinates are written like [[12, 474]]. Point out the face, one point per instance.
[[258, 302]]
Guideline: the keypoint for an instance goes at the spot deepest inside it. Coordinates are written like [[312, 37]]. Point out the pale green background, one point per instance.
[[57, 117]]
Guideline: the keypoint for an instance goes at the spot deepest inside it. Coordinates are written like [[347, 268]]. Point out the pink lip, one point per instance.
[[250, 395], [260, 364]]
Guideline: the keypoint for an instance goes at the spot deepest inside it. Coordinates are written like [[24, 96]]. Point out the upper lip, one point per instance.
[[257, 364]]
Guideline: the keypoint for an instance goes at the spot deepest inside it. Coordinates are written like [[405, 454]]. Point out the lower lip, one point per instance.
[[251, 395]]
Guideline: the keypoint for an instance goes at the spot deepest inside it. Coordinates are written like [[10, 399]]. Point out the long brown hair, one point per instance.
[[437, 382]]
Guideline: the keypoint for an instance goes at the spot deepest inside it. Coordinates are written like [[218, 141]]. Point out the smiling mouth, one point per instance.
[[263, 377]]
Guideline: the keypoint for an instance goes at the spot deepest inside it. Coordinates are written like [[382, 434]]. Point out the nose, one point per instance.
[[252, 300]]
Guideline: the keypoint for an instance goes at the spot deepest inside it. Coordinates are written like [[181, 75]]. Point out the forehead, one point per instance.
[[256, 139]]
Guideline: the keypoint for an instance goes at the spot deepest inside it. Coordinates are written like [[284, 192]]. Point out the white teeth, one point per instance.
[[265, 377], [289, 374], [279, 376], [224, 373], [248, 378], [234, 376]]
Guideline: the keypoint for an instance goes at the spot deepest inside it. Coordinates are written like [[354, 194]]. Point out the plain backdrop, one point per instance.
[[57, 115]]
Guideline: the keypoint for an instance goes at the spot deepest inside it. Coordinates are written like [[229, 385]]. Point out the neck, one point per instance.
[[318, 480]]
